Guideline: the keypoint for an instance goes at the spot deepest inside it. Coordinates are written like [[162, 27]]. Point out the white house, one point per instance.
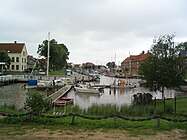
[[18, 53]]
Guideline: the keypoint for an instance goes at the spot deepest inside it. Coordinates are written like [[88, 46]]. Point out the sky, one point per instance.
[[97, 31]]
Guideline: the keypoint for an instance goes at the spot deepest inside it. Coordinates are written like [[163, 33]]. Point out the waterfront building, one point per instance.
[[132, 63], [18, 54]]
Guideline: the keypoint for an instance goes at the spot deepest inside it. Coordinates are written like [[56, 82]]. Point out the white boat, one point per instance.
[[67, 80], [59, 82], [86, 89], [121, 84], [37, 84]]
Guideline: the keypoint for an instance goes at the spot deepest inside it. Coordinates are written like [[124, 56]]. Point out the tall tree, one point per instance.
[[4, 58], [58, 54], [164, 68]]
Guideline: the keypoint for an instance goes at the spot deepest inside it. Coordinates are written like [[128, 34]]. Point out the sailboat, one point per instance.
[[32, 83]]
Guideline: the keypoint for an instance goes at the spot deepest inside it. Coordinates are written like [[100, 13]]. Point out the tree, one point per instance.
[[58, 54], [111, 65], [36, 104], [4, 58], [164, 67]]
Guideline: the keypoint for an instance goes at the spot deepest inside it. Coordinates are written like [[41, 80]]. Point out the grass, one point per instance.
[[60, 72], [10, 109], [130, 111], [134, 128]]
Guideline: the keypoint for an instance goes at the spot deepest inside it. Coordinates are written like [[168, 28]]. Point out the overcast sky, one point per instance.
[[93, 30]]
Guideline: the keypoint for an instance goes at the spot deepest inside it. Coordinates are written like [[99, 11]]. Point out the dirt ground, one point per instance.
[[91, 135]]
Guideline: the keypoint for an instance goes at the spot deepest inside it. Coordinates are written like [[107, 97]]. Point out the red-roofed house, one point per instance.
[[132, 62], [18, 53]]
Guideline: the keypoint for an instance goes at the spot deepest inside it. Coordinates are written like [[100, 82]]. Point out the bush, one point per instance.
[[36, 104]]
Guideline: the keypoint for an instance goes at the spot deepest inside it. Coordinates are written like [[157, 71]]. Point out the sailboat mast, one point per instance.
[[48, 54]]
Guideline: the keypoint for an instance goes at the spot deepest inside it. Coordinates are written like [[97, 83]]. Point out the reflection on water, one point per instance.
[[15, 95]]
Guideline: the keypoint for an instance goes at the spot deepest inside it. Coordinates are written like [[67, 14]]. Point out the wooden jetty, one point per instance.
[[60, 93]]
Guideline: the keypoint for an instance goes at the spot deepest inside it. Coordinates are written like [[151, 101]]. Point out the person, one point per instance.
[[24, 86]]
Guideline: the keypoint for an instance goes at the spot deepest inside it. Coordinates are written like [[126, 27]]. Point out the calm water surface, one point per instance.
[[15, 95]]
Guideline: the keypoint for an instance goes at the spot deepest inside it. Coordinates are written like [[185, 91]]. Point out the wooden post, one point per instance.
[[115, 121], [155, 104], [158, 122], [73, 120], [175, 105], [164, 104]]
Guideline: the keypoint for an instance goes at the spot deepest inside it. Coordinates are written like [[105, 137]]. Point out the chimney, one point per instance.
[[15, 42]]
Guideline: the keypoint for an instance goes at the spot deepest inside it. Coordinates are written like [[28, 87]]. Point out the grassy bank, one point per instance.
[[133, 127]]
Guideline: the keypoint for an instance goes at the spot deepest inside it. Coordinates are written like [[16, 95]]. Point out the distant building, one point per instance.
[[183, 54], [18, 54], [132, 63], [88, 65]]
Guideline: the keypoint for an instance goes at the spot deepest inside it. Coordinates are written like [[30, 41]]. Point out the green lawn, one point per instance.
[[147, 127]]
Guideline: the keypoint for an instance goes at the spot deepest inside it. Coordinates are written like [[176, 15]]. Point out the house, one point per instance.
[[18, 54], [183, 54], [132, 63]]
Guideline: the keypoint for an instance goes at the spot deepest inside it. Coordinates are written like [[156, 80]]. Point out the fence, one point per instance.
[[115, 116]]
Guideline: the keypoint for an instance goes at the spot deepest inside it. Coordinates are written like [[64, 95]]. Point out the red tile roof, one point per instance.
[[136, 58], [12, 47]]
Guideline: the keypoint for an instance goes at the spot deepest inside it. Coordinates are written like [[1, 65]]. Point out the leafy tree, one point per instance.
[[111, 65], [4, 58], [58, 54], [164, 68], [36, 104]]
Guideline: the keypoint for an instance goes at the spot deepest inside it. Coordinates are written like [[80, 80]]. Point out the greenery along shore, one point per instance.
[[135, 111]]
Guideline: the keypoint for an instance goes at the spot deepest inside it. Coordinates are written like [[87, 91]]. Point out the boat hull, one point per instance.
[[87, 90]]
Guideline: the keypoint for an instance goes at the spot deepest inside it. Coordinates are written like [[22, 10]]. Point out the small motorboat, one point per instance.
[[121, 84], [86, 89], [63, 101]]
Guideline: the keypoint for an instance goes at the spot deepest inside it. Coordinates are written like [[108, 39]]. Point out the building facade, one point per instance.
[[18, 54], [132, 63]]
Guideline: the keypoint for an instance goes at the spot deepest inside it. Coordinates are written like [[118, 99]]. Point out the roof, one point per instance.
[[136, 58], [12, 47]]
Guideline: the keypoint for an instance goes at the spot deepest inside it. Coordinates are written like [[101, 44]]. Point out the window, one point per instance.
[[13, 59], [17, 59], [25, 60], [12, 67], [23, 53], [22, 60], [17, 67]]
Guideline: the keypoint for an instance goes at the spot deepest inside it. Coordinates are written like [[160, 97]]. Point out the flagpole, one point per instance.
[[48, 54]]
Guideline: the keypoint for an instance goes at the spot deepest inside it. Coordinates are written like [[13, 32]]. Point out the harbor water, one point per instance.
[[15, 95]]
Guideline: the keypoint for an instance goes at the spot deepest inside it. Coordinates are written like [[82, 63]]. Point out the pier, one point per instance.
[[9, 79], [61, 92]]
